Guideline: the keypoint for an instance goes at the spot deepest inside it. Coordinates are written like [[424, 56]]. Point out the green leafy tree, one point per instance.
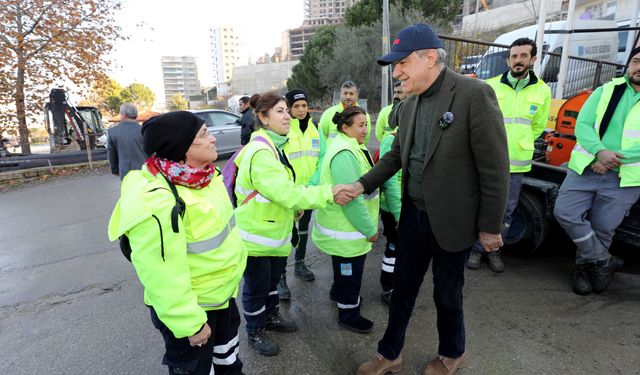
[[177, 102], [368, 12], [138, 94], [305, 73], [48, 42]]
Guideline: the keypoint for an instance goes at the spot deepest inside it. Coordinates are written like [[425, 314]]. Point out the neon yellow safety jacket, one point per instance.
[[382, 123], [303, 150], [525, 114], [186, 273], [332, 231], [266, 221], [581, 158]]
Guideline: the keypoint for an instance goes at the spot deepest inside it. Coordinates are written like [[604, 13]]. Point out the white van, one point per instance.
[[602, 46]]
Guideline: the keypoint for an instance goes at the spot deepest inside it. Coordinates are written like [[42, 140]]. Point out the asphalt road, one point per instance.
[[71, 304]]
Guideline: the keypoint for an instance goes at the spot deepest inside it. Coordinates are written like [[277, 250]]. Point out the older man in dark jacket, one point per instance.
[[124, 143], [452, 149]]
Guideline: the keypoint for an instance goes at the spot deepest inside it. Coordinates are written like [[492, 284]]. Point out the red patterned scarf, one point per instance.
[[181, 174]]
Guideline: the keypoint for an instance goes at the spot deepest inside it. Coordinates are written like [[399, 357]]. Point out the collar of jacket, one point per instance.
[[278, 140], [533, 79]]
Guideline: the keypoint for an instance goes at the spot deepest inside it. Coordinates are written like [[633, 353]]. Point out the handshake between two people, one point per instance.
[[343, 194]]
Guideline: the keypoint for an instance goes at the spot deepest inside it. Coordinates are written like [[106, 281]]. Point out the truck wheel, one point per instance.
[[529, 227]]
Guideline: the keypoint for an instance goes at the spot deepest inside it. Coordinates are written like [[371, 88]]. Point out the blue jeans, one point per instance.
[[416, 248]]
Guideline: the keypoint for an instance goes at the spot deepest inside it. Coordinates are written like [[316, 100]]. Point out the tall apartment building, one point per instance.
[[180, 76], [317, 13], [228, 51]]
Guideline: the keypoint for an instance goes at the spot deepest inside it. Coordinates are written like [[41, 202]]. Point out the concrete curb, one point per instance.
[[11, 178]]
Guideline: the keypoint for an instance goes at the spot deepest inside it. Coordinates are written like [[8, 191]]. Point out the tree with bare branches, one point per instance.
[[50, 42]]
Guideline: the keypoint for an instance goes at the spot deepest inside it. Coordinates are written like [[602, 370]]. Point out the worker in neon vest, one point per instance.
[[266, 218]]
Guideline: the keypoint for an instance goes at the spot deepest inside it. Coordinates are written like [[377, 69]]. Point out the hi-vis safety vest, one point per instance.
[[330, 130], [303, 150], [265, 226], [382, 123], [183, 274], [518, 110], [332, 231], [581, 158]]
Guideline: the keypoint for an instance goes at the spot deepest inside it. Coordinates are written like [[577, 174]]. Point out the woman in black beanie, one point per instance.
[[185, 247]]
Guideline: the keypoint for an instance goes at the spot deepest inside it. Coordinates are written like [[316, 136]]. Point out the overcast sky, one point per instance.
[[181, 28]]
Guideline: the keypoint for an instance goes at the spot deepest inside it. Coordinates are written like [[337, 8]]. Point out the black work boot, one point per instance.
[[302, 271], [276, 322], [602, 273], [283, 290], [359, 325], [264, 344], [581, 279], [473, 263], [495, 262]]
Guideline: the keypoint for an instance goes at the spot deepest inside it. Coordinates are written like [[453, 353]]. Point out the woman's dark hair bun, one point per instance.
[[336, 118]]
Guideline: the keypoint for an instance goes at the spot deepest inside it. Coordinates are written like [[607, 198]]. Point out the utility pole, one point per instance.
[[542, 19], [633, 23], [564, 61], [385, 49], [475, 17]]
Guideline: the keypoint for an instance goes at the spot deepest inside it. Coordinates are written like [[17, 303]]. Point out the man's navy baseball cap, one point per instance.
[[411, 38]]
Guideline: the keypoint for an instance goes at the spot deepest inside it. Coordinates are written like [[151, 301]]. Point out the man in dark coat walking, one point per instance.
[[124, 143]]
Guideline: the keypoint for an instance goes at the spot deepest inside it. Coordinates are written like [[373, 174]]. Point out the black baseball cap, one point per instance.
[[411, 38]]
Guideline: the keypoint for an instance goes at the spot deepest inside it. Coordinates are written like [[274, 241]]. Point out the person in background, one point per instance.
[[124, 143], [603, 181], [246, 121], [303, 151], [383, 127], [455, 183], [348, 98], [346, 233], [185, 247], [270, 200], [524, 100]]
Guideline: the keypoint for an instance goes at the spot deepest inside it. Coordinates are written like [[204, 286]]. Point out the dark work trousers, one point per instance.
[[416, 248], [221, 349], [345, 291], [389, 258], [303, 232], [260, 294]]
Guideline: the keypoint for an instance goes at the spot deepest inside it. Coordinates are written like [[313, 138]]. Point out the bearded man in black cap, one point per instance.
[[603, 180], [452, 149]]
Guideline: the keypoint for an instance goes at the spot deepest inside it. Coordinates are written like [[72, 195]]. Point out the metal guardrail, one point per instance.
[[14, 163], [583, 74]]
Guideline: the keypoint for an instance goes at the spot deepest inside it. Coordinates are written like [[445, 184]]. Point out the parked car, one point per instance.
[[223, 126], [470, 64]]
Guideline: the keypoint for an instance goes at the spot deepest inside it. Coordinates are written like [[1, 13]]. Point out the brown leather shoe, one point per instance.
[[444, 365], [379, 365]]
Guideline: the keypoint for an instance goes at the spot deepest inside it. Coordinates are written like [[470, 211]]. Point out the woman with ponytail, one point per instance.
[[346, 233]]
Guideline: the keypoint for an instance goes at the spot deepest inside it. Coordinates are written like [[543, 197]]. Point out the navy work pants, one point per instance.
[[389, 258], [345, 291], [260, 292], [221, 350]]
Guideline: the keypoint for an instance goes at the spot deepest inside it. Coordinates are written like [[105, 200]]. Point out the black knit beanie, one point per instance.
[[170, 135], [295, 95]]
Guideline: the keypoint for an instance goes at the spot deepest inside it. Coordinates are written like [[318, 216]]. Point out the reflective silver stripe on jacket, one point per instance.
[[259, 197], [299, 154], [338, 235], [332, 135], [371, 196], [631, 133], [517, 120], [264, 241], [216, 304], [213, 242], [582, 150], [520, 163]]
